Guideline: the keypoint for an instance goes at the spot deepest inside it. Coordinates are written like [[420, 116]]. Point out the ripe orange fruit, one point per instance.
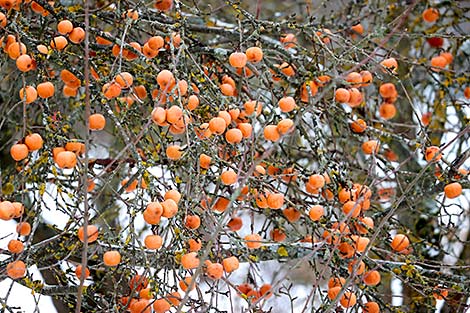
[[285, 126], [348, 299], [15, 246], [23, 228], [45, 90], [153, 242], [333, 292], [371, 278], [229, 177], [185, 283], [19, 151], [77, 35], [163, 5], [354, 78], [16, 269], [235, 224], [237, 59], [440, 293], [30, 96], [92, 233], [358, 126], [390, 63], [430, 15], [111, 90], [170, 208], [289, 40], [3, 20], [78, 271], [66, 159], [254, 54], [400, 242], [336, 282], [342, 95], [217, 125], [97, 121], [190, 260], [153, 212], [360, 268], [204, 161], [33, 141], [352, 209], [165, 80], [366, 78], [230, 264], [287, 104], [453, 190], [174, 152], [64, 27], [192, 222], [124, 79], [271, 133], [24, 63], [275, 200], [234, 135], [16, 49], [388, 90], [433, 154], [387, 110], [438, 63], [161, 305], [111, 258], [370, 147], [371, 307], [58, 43], [214, 271], [253, 241], [316, 212], [466, 92], [291, 214]]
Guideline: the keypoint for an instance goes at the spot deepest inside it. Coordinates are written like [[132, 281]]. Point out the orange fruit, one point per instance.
[[161, 305], [316, 212], [64, 27], [45, 90], [348, 299], [253, 241], [234, 136], [254, 54], [170, 208], [371, 278], [153, 242], [33, 141], [24, 63], [58, 43], [271, 133], [229, 177], [97, 121], [78, 271], [111, 258], [400, 242], [433, 154], [16, 269], [371, 307], [15, 246], [430, 15], [342, 95], [77, 35], [174, 152], [190, 260], [237, 59], [230, 264], [23, 228], [19, 151], [387, 110], [214, 271], [370, 147], [66, 159], [286, 104], [30, 96], [453, 190], [358, 126], [92, 233], [192, 222]]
